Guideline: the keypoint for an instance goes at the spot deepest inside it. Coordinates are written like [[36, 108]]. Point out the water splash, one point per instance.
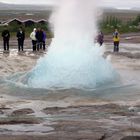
[[73, 60]]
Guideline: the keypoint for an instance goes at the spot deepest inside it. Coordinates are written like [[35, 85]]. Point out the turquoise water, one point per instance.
[[116, 92]]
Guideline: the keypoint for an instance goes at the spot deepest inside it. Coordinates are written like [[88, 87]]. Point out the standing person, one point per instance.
[[116, 40], [100, 38], [39, 37], [44, 39], [6, 37], [34, 40], [20, 38]]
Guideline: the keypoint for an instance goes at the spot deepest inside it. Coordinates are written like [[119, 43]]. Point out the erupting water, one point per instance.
[[73, 60]]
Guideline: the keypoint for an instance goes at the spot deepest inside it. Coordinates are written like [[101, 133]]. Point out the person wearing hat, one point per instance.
[[34, 40]]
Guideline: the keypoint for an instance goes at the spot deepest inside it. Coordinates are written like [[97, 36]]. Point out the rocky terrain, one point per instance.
[[107, 114]]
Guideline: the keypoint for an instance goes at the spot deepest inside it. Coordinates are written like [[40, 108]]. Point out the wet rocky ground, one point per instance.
[[63, 117], [108, 121]]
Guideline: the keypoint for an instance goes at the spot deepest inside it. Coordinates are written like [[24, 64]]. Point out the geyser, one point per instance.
[[73, 60]]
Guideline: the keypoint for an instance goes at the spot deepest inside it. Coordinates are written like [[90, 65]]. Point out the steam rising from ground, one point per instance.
[[75, 20], [73, 60]]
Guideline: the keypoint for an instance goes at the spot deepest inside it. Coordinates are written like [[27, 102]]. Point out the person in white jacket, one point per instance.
[[34, 40]]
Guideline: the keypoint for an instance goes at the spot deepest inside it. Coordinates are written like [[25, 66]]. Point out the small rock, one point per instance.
[[1, 112], [19, 120], [24, 111], [2, 106]]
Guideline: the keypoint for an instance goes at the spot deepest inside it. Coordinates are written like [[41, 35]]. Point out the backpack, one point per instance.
[[116, 35]]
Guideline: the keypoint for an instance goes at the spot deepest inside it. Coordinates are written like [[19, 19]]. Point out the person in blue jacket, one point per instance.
[[44, 39]]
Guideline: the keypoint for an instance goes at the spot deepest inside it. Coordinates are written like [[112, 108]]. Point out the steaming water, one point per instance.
[[73, 60], [76, 68], [73, 70]]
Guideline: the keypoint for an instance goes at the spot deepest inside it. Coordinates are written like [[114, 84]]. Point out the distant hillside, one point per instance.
[[4, 6]]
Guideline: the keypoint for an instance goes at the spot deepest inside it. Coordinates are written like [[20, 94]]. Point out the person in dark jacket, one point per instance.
[[6, 37], [100, 38], [39, 37], [20, 38], [44, 39]]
